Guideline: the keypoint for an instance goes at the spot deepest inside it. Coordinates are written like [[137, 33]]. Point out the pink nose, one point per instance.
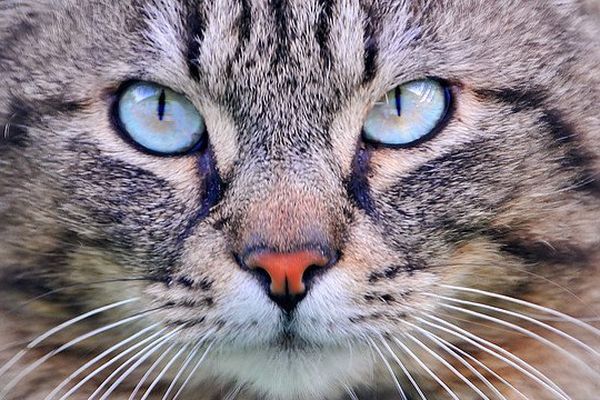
[[286, 270]]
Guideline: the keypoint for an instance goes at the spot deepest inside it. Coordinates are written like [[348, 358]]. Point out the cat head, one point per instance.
[[287, 234]]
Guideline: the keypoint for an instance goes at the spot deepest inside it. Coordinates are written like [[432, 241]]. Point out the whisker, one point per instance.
[[447, 365], [350, 392], [75, 286], [186, 362], [389, 368], [8, 124], [439, 341], [524, 271], [483, 366], [112, 361], [524, 317], [93, 361], [524, 331], [150, 370], [233, 393], [556, 319], [538, 307], [139, 362], [193, 371], [508, 357], [35, 342], [426, 368], [15, 381], [164, 371], [404, 369], [486, 325], [14, 346]]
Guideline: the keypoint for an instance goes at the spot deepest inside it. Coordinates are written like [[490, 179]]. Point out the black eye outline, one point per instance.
[[449, 108], [119, 127]]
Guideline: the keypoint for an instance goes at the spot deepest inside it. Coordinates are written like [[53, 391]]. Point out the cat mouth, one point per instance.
[[290, 340]]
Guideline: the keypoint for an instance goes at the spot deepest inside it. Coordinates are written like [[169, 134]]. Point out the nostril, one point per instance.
[[262, 276], [311, 273]]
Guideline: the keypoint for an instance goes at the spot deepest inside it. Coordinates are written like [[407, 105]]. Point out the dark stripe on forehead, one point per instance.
[[279, 8], [245, 22], [370, 37], [562, 134], [324, 29], [244, 26], [196, 24]]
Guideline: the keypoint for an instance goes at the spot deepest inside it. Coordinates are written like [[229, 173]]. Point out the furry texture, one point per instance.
[[504, 199]]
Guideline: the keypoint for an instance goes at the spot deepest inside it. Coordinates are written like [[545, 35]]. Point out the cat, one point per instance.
[[307, 199]]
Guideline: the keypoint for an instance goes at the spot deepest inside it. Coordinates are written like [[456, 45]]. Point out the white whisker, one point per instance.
[[524, 317], [351, 393], [113, 360], [193, 371], [161, 340], [389, 368], [508, 357], [233, 393], [538, 307], [87, 365], [439, 341], [448, 365], [139, 362], [8, 124], [164, 371], [15, 381], [154, 365], [426, 368], [404, 369], [35, 342], [186, 362], [522, 330], [483, 366]]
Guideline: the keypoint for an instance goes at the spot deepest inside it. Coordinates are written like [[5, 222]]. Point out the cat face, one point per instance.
[[286, 247]]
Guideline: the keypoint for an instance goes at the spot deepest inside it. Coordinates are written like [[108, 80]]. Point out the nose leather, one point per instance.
[[286, 270]]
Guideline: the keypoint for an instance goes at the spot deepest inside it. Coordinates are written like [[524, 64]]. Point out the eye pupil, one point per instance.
[[162, 99], [398, 97]]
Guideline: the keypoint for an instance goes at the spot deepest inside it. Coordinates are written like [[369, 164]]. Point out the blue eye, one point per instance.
[[159, 119], [408, 113]]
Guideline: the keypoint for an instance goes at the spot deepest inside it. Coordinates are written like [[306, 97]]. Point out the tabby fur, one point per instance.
[[504, 199]]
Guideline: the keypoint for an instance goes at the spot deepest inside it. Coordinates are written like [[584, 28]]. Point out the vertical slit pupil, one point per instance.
[[162, 100], [398, 98]]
